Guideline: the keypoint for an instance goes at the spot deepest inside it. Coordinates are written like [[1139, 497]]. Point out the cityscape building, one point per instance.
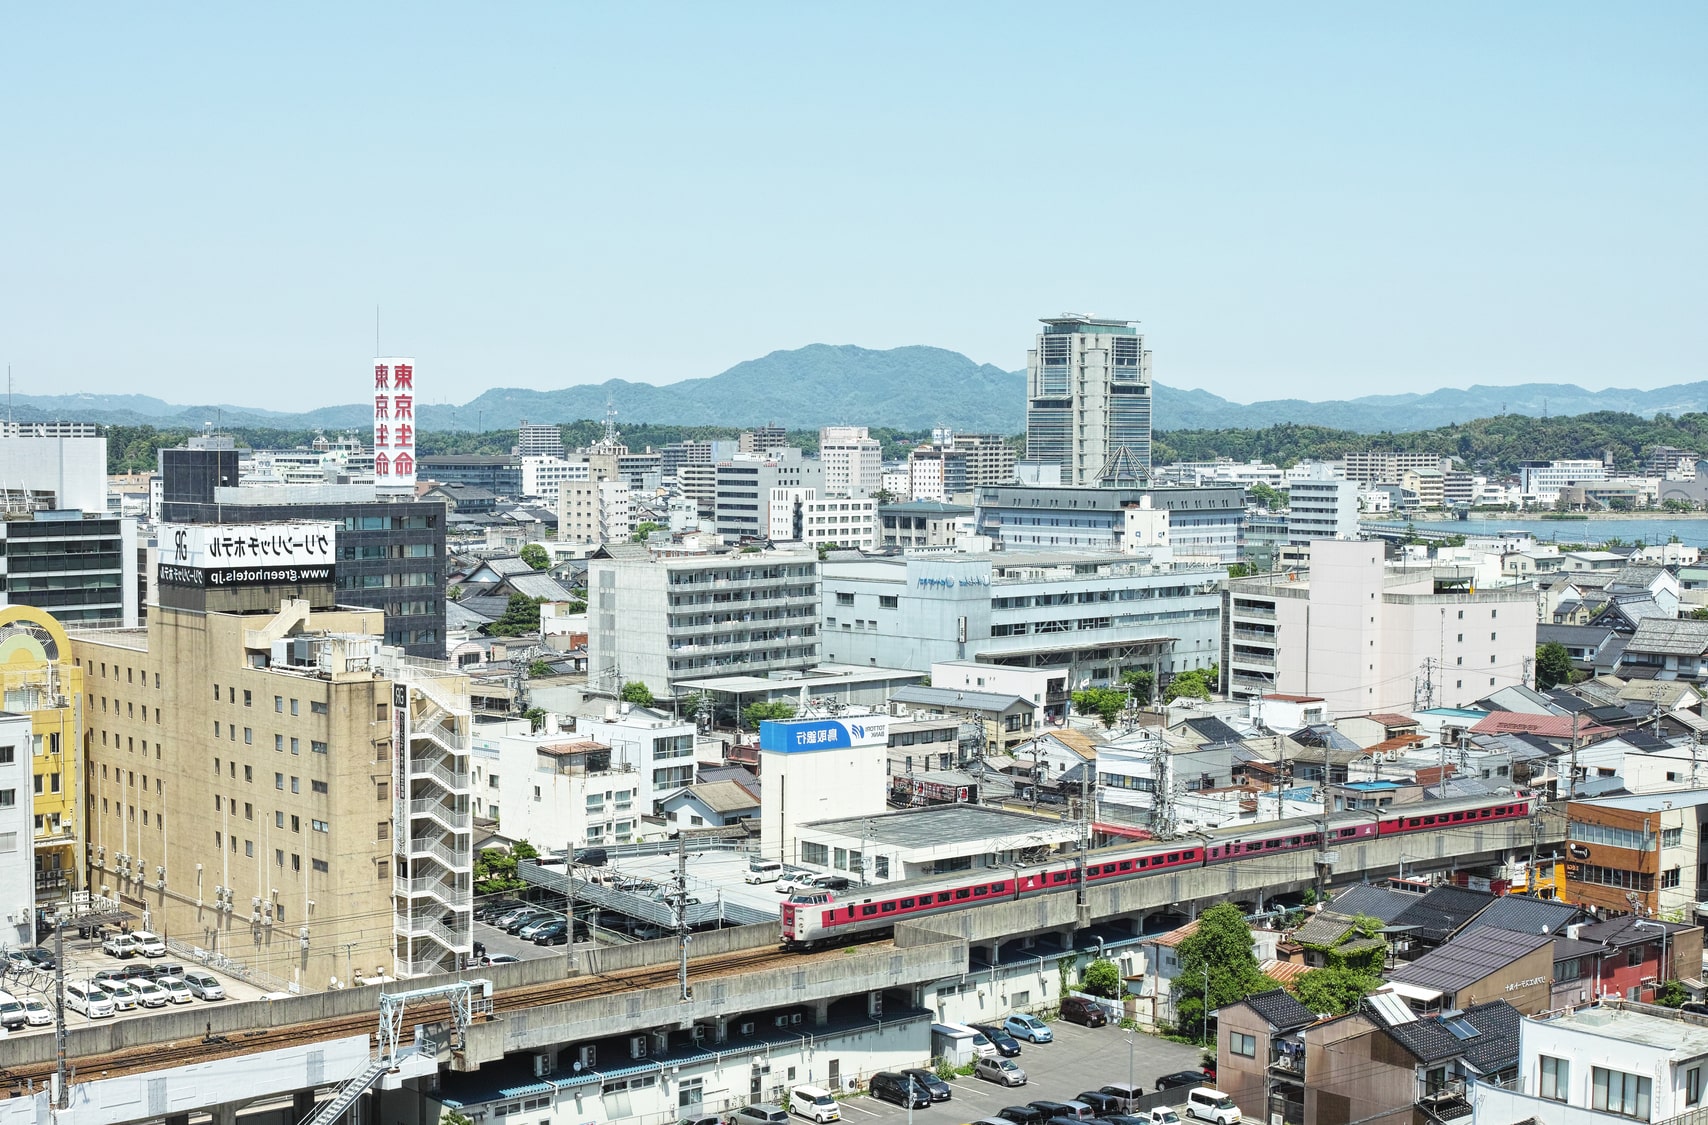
[[1088, 388]]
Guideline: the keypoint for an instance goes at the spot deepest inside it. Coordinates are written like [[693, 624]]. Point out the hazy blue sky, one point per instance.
[[1295, 199]]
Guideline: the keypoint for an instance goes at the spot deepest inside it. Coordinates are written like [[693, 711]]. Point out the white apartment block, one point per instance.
[[542, 475], [594, 511], [1379, 466], [1602, 1066], [566, 790], [1367, 637], [662, 620], [17, 834], [1541, 481], [1322, 509], [852, 459], [925, 478], [846, 522], [658, 747]]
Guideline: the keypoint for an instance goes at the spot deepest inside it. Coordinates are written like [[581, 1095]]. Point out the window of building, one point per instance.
[[296, 785], [317, 787], [383, 869], [817, 855], [294, 707], [1693, 1086], [1555, 1080], [249, 849], [382, 829], [8, 798], [1672, 837], [844, 598], [296, 746], [279, 743], [279, 704], [321, 866], [1613, 1091], [317, 746], [1242, 1044], [279, 781], [317, 707], [322, 826]]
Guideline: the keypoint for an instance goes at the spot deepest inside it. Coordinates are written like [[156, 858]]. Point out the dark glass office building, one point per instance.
[[391, 552]]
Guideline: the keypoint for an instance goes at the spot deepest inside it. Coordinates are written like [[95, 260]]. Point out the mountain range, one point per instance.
[[909, 388]]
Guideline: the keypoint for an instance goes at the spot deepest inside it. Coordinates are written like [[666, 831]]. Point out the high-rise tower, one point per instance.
[[1088, 399]]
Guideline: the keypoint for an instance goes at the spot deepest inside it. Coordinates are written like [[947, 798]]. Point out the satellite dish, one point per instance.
[[578, 1066]]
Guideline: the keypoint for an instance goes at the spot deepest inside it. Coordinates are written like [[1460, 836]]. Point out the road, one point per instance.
[[1081, 1058]]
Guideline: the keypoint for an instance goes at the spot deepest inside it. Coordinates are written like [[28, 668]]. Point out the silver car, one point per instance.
[[1001, 1071]]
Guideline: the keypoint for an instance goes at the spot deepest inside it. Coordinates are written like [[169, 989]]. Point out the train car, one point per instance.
[[811, 919]]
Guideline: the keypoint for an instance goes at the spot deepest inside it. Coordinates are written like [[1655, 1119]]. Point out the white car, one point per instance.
[[88, 998], [176, 990], [149, 945], [790, 880], [121, 993], [37, 1013], [149, 994]]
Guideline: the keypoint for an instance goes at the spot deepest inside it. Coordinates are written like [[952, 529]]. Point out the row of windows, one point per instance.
[[1607, 835]]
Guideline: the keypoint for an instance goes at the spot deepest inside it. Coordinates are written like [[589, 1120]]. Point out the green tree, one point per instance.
[[1142, 683], [1220, 948], [539, 668], [495, 868], [755, 713], [1334, 991], [455, 1117], [1671, 995], [1101, 978], [1553, 665], [643, 529], [1700, 613], [1270, 498], [637, 693], [536, 717], [521, 616], [1105, 703], [535, 556], [1195, 683], [1241, 570]]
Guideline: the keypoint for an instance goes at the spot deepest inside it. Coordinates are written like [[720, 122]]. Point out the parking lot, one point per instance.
[[83, 959], [1081, 1058]]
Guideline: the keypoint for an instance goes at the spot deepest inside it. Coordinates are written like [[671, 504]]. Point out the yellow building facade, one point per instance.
[[40, 680]]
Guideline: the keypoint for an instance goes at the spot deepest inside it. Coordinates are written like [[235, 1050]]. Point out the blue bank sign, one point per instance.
[[791, 736]]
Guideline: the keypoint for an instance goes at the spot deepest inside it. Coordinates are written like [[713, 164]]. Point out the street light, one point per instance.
[[1660, 974]]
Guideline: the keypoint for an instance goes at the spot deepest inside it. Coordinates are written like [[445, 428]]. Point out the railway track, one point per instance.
[[185, 1051]]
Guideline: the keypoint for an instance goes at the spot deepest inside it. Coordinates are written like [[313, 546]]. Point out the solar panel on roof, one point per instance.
[[1460, 1030]]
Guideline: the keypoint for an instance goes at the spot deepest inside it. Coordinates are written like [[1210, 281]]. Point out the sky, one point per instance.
[[207, 203]]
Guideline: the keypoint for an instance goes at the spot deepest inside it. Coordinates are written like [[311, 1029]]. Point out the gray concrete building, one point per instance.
[[1204, 522]]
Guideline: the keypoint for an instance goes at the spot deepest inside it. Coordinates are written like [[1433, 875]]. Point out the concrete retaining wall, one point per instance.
[[792, 983], [234, 1019]]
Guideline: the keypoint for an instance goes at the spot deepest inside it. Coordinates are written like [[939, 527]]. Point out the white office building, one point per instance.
[[1088, 397], [38, 471], [565, 790], [743, 486], [1095, 615], [543, 476], [853, 461]]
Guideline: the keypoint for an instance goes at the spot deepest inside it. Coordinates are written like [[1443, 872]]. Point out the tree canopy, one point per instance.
[[535, 556], [1104, 702], [1195, 683], [1553, 665], [1334, 991], [495, 868], [1222, 945], [521, 617], [1102, 978], [637, 693], [755, 713]]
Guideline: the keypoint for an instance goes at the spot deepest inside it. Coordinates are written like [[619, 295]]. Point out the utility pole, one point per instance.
[[569, 906], [682, 935], [62, 1096], [1572, 781]]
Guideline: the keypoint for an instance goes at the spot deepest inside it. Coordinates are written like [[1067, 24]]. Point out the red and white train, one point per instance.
[[812, 919]]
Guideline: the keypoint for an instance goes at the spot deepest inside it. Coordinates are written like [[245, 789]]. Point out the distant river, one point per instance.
[[1649, 529]]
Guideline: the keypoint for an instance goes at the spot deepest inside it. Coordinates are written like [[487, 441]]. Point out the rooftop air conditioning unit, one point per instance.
[[698, 1033], [795, 1019], [746, 1027], [637, 1046], [588, 1055], [542, 1064], [781, 1021]]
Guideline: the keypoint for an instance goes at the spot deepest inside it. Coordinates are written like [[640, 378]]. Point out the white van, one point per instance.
[[763, 871], [1212, 1105], [814, 1104], [982, 1046], [89, 999]]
